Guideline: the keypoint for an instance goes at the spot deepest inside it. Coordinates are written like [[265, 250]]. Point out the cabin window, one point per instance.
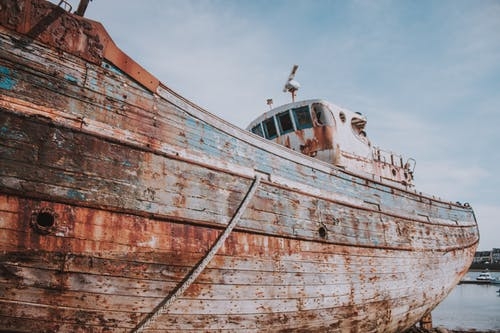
[[285, 122], [257, 129], [270, 128], [302, 117], [358, 127], [319, 114]]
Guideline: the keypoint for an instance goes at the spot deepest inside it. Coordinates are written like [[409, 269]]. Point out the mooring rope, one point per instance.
[[198, 268]]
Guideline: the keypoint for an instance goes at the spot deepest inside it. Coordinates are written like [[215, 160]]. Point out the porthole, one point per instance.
[[342, 117], [43, 220]]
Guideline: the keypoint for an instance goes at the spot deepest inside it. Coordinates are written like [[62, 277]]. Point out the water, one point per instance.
[[470, 306]]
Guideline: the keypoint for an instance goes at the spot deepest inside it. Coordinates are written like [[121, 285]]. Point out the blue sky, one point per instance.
[[425, 73]]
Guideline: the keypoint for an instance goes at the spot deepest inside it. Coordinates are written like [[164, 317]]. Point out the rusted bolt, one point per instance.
[[43, 220]]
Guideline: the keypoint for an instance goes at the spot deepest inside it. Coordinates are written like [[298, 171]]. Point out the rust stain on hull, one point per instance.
[[114, 188]]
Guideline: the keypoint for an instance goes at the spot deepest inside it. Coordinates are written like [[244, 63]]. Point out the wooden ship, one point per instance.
[[125, 207]]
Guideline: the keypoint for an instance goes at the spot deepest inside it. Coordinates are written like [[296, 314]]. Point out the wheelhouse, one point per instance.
[[284, 120], [315, 128], [331, 134]]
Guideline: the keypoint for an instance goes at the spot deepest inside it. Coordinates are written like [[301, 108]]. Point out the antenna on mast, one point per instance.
[[291, 85]]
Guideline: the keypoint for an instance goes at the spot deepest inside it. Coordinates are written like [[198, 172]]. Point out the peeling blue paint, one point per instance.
[[112, 68], [6, 81], [92, 82], [74, 194], [71, 78]]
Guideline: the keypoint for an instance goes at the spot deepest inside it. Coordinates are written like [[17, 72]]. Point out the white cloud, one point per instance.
[[450, 179]]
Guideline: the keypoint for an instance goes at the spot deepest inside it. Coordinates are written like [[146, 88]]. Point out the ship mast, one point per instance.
[[82, 7]]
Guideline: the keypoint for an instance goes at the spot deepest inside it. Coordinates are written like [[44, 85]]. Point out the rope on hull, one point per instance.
[[198, 268]]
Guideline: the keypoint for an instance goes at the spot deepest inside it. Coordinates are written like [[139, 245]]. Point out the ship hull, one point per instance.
[[100, 280], [124, 207]]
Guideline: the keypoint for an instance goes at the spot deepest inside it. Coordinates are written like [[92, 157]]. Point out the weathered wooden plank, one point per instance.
[[282, 320], [168, 265], [214, 284], [13, 324], [99, 301], [66, 315]]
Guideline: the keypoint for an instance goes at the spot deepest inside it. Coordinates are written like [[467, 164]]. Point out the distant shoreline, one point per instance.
[[482, 267]]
